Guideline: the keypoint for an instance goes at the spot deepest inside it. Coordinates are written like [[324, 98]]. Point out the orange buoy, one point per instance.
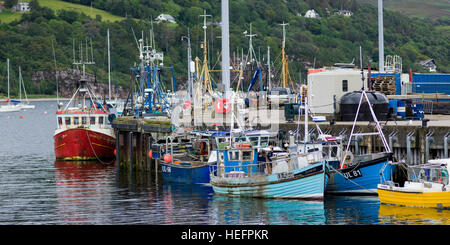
[[21, 117], [150, 154], [167, 158], [115, 152]]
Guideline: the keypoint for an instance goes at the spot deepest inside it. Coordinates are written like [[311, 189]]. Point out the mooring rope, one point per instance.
[[336, 170]]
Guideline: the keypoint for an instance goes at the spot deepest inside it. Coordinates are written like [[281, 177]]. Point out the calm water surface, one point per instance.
[[36, 189]]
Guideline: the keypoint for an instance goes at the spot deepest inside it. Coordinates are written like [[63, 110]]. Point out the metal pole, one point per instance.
[[380, 37], [225, 48]]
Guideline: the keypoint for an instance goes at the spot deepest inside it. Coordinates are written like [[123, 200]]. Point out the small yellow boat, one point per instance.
[[427, 185]]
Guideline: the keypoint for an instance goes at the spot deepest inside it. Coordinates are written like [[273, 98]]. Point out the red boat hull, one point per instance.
[[83, 144]]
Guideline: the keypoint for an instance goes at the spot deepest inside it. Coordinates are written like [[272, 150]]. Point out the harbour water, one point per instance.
[[35, 189]]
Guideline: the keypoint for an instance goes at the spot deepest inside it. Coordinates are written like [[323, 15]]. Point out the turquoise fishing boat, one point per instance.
[[239, 173]]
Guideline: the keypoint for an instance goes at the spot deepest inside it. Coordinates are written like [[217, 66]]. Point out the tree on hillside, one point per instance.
[[10, 3]]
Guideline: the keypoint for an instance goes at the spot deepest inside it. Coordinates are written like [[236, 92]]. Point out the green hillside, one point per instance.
[[28, 41], [56, 5], [435, 9]]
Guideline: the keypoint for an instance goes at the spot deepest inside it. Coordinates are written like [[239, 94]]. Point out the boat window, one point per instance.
[[313, 149], [254, 140], [59, 121], [76, 120], [246, 155], [233, 155], [92, 120], [67, 120], [83, 120], [344, 85], [264, 142], [100, 120]]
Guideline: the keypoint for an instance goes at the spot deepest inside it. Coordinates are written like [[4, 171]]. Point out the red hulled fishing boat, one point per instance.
[[84, 131]]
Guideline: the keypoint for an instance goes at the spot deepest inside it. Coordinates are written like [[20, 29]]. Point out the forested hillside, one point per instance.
[[28, 42]]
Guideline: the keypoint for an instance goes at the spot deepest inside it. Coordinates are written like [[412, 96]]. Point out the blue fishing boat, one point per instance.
[[184, 159], [360, 174], [238, 172]]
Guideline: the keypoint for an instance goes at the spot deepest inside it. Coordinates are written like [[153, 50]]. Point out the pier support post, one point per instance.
[[118, 149], [409, 155], [130, 153], [392, 138], [428, 140], [357, 147], [149, 148], [446, 139]]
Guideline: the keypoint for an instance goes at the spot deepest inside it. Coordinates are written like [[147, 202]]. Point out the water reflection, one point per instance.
[[392, 214], [186, 204], [351, 209], [251, 211], [83, 191]]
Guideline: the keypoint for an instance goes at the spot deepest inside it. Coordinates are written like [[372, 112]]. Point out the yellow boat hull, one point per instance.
[[415, 199]]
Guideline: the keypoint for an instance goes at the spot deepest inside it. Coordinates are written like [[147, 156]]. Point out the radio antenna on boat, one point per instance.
[[56, 76]]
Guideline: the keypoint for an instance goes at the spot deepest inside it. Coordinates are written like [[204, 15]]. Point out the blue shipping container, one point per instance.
[[431, 83]]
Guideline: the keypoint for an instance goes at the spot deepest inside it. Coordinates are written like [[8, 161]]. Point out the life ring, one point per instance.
[[244, 146]]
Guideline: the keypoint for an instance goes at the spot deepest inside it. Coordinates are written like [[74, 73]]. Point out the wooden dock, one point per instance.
[[134, 138]]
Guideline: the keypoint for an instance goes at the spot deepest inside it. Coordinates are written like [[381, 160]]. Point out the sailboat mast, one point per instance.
[[283, 54], [56, 77], [20, 84], [8, 77], [109, 67]]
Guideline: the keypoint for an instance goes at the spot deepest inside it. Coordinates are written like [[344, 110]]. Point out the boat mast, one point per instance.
[[109, 67], [205, 54], [56, 77], [268, 65], [189, 92], [20, 84], [8, 78], [283, 58], [251, 50]]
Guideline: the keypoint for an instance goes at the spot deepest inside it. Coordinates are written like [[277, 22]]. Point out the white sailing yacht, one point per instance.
[[8, 107], [26, 104], [115, 105]]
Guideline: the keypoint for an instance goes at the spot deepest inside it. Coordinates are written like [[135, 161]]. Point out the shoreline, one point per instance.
[[46, 99]]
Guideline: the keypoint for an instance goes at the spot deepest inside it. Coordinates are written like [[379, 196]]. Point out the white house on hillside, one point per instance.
[[430, 65], [165, 17], [346, 13], [21, 7], [312, 14]]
